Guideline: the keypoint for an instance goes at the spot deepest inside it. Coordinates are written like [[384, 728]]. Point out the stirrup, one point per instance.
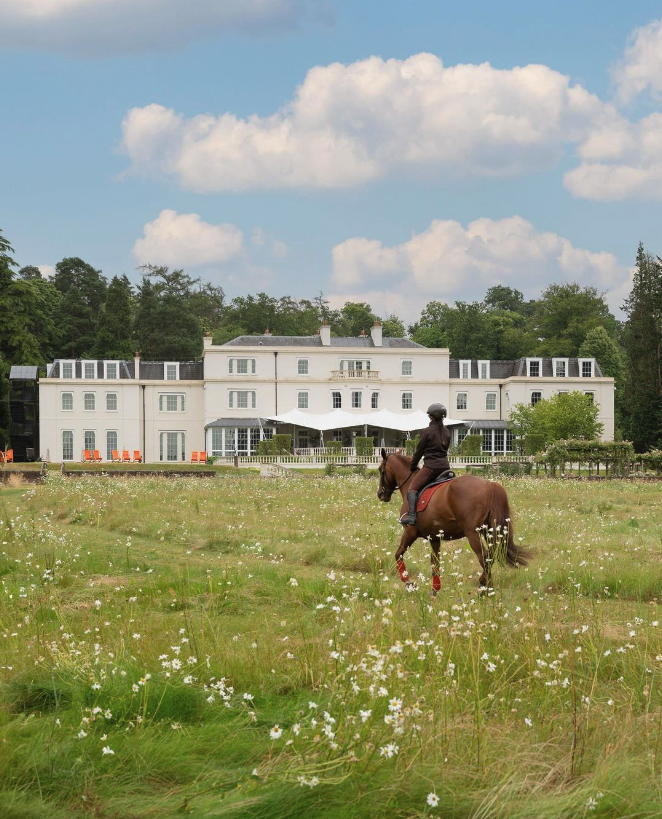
[[408, 519]]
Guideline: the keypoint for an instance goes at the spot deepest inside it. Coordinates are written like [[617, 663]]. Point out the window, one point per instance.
[[172, 446], [111, 369], [407, 400], [241, 399], [111, 443], [303, 437], [535, 397], [560, 367], [534, 367], [302, 366], [172, 402], [483, 369], [241, 366], [487, 440], [302, 399], [67, 445], [490, 401], [171, 371], [357, 399], [89, 401], [461, 401], [89, 369], [510, 440], [590, 396], [374, 400], [465, 369], [586, 367], [336, 435], [336, 400], [66, 369], [111, 402], [67, 400], [499, 440], [90, 439], [354, 365], [407, 366]]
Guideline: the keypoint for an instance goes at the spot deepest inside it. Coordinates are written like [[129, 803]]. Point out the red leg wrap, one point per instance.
[[436, 582], [404, 574]]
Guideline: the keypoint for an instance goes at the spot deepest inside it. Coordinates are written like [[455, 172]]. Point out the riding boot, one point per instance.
[[410, 518]]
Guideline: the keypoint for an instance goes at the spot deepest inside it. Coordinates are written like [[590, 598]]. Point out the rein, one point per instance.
[[411, 475]]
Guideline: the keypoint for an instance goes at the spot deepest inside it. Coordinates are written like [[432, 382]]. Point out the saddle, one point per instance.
[[428, 491]]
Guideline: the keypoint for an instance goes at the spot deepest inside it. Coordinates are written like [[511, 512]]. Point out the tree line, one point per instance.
[[78, 313]]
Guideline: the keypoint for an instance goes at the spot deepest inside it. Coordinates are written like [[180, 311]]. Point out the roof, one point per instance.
[[316, 341], [240, 422], [18, 373], [517, 368]]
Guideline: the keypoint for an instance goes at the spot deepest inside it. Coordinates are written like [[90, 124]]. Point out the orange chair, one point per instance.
[[194, 457], [9, 456], [87, 455], [96, 456], [125, 456], [137, 457], [115, 456], [202, 457]]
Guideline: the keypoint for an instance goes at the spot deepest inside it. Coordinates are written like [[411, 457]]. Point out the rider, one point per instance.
[[433, 445]]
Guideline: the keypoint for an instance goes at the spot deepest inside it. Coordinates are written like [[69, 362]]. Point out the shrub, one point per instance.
[[533, 443], [282, 444], [266, 448], [411, 444], [364, 447], [334, 447], [514, 469], [359, 469], [330, 469], [471, 445]]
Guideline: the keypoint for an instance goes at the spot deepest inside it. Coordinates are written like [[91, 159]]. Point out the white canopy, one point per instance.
[[339, 419]]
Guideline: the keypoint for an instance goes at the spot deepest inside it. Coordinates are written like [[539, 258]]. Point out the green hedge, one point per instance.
[[471, 445], [282, 444], [533, 443], [364, 447], [334, 447], [411, 444]]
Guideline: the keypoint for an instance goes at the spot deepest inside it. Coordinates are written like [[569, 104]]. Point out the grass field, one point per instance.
[[243, 647]]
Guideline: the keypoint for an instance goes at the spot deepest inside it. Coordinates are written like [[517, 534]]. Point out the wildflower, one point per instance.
[[389, 750], [528, 721], [296, 729], [312, 705], [106, 750], [292, 582], [433, 800], [365, 715], [248, 696], [395, 704], [276, 732]]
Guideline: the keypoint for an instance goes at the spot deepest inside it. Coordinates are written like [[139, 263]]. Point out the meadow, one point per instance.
[[244, 647]]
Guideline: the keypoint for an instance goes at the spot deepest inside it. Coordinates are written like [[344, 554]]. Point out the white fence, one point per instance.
[[347, 455]]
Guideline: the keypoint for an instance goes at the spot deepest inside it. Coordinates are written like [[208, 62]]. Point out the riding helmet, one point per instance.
[[437, 411]]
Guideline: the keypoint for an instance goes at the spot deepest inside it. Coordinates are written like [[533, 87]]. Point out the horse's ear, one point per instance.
[[383, 453]]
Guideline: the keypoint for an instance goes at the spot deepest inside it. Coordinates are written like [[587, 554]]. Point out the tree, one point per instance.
[[607, 353], [565, 415], [30, 272], [114, 334], [84, 291], [641, 340], [392, 327], [355, 317], [145, 323], [207, 305], [504, 299]]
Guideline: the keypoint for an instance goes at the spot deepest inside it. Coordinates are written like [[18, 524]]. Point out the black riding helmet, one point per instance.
[[437, 411]]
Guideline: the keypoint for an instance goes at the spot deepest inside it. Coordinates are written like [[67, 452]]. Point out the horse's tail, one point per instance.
[[498, 514]]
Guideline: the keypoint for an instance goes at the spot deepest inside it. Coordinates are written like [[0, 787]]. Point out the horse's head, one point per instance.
[[387, 481]]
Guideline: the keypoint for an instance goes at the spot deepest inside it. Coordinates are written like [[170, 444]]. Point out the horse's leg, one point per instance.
[[476, 545], [435, 543], [409, 535]]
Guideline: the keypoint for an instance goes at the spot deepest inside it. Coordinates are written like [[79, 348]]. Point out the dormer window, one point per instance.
[[483, 369], [585, 367], [465, 369], [111, 369], [560, 367], [534, 367], [171, 371], [89, 369], [66, 369]]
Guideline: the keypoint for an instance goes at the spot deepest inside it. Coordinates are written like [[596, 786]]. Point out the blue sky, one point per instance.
[[398, 180]]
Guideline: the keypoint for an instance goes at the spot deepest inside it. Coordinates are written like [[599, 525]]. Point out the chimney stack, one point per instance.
[[206, 341], [325, 333], [136, 365], [267, 332], [376, 333]]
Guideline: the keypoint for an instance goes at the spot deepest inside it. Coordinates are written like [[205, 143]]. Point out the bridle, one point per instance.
[[382, 484]]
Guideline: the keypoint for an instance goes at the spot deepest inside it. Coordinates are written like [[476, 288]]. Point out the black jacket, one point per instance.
[[434, 445]]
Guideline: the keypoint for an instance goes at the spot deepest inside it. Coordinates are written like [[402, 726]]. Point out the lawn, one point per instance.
[[244, 647]]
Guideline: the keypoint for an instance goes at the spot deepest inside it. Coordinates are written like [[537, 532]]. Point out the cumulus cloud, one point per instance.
[[108, 27], [448, 262], [46, 270], [349, 124], [640, 68], [185, 240]]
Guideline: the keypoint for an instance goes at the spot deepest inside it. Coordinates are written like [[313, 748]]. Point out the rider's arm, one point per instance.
[[420, 451]]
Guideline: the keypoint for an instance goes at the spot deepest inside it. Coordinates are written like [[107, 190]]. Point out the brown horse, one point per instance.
[[463, 507]]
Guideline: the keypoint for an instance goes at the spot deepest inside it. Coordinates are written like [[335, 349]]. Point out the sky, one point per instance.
[[389, 151]]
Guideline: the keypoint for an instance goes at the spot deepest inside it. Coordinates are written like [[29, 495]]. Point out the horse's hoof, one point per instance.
[[434, 593]]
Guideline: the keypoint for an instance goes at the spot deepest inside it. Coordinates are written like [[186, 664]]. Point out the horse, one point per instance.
[[466, 506]]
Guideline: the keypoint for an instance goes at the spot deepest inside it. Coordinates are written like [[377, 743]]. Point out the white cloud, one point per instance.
[[279, 249], [105, 27], [185, 240], [349, 124], [448, 262], [640, 68], [46, 270]]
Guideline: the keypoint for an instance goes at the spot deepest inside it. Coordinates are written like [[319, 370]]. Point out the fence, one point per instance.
[[322, 456]]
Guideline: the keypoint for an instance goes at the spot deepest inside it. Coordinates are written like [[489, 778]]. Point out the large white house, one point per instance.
[[231, 399]]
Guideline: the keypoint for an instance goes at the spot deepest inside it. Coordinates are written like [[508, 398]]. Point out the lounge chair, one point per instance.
[[97, 456], [137, 457], [115, 456], [125, 456], [194, 457], [87, 456]]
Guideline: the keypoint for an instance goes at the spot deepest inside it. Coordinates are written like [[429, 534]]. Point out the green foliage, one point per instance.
[[599, 345], [334, 447], [330, 469], [266, 448], [392, 327], [411, 444], [282, 444], [471, 445], [565, 415], [364, 447], [83, 289], [533, 443], [114, 336], [616, 453]]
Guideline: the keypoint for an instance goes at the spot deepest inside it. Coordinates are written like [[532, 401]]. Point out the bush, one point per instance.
[[266, 448], [359, 469], [514, 469], [364, 447], [330, 469], [411, 444], [471, 445], [334, 447], [533, 443], [282, 444]]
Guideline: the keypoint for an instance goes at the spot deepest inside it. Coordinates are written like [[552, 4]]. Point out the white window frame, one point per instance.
[[251, 365], [105, 370], [355, 361], [109, 449], [167, 364], [251, 399], [63, 433], [457, 401], [581, 362], [566, 364], [537, 392], [94, 401], [487, 370], [305, 396], [465, 362], [496, 401], [403, 362], [375, 398], [73, 368], [306, 369], [62, 407], [336, 392], [117, 402], [180, 401], [93, 433], [163, 445], [359, 394], [83, 363], [529, 361], [411, 399]]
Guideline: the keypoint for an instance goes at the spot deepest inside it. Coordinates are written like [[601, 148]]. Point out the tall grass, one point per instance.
[[244, 647]]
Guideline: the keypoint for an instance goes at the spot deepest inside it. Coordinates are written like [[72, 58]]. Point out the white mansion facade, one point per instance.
[[227, 402]]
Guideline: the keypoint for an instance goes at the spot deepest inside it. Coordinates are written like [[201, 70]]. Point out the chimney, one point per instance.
[[362, 334], [136, 365], [325, 334], [376, 333], [206, 341], [267, 332]]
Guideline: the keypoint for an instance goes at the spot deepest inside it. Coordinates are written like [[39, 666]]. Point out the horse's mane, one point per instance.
[[404, 459]]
